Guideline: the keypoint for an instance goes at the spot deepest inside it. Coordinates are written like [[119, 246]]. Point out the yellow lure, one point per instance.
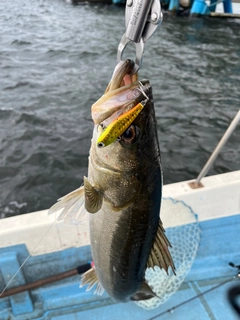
[[118, 126]]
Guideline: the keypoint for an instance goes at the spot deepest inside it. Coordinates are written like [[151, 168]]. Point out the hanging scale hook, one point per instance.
[[142, 17]]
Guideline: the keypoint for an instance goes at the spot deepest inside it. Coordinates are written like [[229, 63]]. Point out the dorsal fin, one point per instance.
[[160, 255], [93, 197]]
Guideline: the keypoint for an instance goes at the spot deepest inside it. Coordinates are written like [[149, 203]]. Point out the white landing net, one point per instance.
[[183, 232]]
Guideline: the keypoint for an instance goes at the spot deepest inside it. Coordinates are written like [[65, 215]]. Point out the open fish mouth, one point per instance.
[[122, 76], [123, 92]]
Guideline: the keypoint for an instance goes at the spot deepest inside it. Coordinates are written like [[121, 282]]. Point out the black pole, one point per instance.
[[50, 279]]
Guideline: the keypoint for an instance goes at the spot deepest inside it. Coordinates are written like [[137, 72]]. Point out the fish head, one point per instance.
[[120, 95], [124, 92]]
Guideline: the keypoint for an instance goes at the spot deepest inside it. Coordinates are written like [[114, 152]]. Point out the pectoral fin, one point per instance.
[[93, 197], [160, 255], [72, 206], [144, 293], [90, 278]]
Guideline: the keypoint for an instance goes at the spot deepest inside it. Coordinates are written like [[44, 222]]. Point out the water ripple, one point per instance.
[[56, 61]]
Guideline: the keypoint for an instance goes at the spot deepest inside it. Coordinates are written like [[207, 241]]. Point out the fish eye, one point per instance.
[[101, 145], [130, 135]]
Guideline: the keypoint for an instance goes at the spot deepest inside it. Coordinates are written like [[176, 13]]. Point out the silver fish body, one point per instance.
[[123, 230], [123, 194]]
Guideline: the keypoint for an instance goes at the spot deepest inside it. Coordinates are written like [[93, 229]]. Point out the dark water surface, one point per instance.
[[56, 60]]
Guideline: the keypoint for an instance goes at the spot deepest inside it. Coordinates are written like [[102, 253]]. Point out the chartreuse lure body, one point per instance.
[[118, 126]]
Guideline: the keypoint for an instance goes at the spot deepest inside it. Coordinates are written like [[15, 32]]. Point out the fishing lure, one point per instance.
[[118, 126]]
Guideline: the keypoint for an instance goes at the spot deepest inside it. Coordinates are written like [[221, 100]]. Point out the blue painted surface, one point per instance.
[[119, 1], [20, 303], [219, 245], [199, 7], [195, 310], [212, 6], [227, 6], [65, 300], [173, 5]]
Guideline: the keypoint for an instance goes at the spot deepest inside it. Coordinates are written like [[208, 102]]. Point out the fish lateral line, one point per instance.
[[118, 126]]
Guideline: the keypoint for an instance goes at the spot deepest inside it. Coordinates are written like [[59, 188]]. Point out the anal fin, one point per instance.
[[160, 255], [90, 278]]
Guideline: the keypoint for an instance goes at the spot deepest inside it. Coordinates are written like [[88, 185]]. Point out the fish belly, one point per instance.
[[121, 242]]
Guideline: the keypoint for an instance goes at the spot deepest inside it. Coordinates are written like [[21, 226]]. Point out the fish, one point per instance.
[[122, 194]]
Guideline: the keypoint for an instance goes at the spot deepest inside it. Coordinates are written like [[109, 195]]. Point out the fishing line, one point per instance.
[[141, 89], [195, 297], [27, 258]]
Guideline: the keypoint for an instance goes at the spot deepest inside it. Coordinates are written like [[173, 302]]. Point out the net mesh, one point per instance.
[[183, 232]]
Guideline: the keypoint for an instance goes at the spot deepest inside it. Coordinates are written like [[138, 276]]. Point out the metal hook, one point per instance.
[[142, 18], [139, 52]]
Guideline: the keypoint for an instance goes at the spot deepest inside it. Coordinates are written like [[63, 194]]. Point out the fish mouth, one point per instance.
[[122, 76], [123, 92]]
